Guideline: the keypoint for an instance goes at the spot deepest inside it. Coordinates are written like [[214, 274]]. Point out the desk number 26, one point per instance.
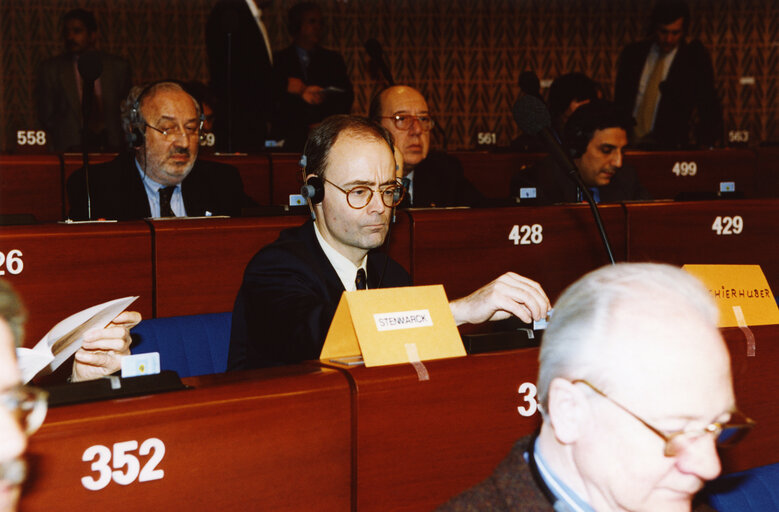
[[101, 455], [526, 235]]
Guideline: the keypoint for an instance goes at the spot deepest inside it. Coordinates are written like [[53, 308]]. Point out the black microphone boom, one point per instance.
[[373, 47], [533, 118], [90, 67]]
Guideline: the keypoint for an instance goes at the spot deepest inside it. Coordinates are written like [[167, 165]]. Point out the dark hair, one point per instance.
[[566, 88], [582, 125], [668, 11], [295, 16], [375, 110], [529, 83], [82, 15], [322, 138]]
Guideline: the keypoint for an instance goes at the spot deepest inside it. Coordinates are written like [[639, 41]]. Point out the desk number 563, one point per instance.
[[126, 466]]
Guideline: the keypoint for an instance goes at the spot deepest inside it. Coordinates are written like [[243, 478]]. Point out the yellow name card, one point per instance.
[[392, 326], [741, 292]]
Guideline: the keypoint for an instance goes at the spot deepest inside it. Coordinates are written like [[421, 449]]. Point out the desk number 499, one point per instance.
[[526, 235], [123, 458]]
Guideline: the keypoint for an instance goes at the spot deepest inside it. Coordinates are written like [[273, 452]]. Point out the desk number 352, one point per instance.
[[126, 466]]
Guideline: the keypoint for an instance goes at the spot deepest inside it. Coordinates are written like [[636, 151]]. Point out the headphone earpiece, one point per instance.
[[313, 190]]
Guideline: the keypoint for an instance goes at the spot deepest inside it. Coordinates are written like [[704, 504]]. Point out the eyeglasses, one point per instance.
[[358, 197], [725, 434], [174, 132], [27, 404], [404, 121]]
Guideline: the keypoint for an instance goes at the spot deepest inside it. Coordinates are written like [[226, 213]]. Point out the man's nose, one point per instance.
[[376, 205], [616, 158], [701, 459], [416, 126]]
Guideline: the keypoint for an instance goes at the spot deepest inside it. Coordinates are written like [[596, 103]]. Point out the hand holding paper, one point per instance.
[[65, 338], [102, 350]]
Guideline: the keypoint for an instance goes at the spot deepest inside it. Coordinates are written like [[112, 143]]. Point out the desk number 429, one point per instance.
[[526, 235], [126, 466]]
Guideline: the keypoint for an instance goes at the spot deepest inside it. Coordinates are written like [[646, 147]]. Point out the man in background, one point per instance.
[[59, 90], [663, 80], [431, 178], [595, 137]]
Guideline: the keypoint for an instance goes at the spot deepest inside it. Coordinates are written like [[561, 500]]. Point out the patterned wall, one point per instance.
[[465, 55]]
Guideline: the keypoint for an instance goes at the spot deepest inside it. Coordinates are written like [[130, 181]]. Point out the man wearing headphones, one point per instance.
[[594, 136], [161, 177], [291, 288]]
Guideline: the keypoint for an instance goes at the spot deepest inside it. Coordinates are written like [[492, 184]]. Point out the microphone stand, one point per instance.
[[88, 94]]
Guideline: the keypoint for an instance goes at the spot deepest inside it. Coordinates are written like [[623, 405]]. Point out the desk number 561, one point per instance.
[[123, 458]]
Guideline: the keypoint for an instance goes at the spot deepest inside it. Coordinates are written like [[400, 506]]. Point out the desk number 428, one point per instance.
[[126, 466], [526, 235]]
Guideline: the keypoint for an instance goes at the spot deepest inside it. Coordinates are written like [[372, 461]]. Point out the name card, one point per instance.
[[743, 287], [381, 324]]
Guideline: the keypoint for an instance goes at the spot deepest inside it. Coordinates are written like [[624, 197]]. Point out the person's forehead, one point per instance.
[[614, 136], [404, 99], [359, 156], [170, 103], [674, 26]]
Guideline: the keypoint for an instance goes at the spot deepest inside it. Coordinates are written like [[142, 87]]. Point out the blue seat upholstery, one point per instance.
[[190, 345], [756, 489]]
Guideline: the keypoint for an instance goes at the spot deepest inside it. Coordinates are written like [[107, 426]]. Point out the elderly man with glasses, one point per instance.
[[162, 176], [636, 395], [432, 178], [291, 288]]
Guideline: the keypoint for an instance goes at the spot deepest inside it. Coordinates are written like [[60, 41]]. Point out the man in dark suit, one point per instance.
[[595, 136], [291, 288], [616, 432], [58, 90], [433, 178], [663, 80], [316, 84], [162, 177], [241, 66]]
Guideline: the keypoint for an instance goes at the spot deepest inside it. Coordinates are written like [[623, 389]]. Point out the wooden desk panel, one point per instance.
[[287, 176], [465, 249], [200, 262], [768, 171], [270, 439], [67, 268], [682, 233], [255, 174], [491, 173], [756, 383], [655, 170], [31, 184], [420, 442]]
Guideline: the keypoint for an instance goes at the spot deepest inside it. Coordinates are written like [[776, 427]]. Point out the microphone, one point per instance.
[[533, 118], [90, 67], [375, 52]]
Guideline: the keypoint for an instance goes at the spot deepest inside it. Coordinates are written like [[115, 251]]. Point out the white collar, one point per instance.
[[343, 266]]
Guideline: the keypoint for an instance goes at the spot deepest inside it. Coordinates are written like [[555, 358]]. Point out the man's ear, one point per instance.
[[568, 410]]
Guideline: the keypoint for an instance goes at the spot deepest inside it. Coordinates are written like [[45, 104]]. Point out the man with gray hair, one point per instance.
[[632, 414], [161, 176]]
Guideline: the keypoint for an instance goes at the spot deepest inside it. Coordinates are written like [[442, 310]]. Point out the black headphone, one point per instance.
[[137, 133], [577, 140], [313, 189]]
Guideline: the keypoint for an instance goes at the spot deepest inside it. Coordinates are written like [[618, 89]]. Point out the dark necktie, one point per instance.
[[360, 280], [165, 195]]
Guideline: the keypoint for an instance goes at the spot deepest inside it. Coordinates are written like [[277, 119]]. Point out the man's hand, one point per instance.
[[102, 351], [313, 95], [510, 294], [295, 86]]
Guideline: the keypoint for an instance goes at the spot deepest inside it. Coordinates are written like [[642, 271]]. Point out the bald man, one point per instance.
[[632, 414], [432, 178]]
